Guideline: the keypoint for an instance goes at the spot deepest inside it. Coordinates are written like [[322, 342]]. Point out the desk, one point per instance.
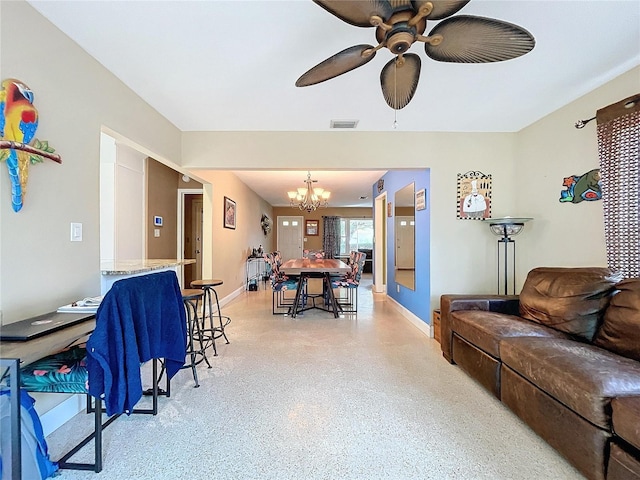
[[29, 351], [32, 350], [309, 268]]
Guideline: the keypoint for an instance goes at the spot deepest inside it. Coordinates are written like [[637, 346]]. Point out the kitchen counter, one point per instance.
[[128, 267], [113, 271]]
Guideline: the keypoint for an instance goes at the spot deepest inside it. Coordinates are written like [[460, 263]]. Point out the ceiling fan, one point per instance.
[[401, 23]]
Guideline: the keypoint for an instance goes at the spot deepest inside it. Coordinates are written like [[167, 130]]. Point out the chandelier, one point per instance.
[[309, 198]]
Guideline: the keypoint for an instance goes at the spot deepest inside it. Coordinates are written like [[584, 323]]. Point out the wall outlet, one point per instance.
[[156, 232]]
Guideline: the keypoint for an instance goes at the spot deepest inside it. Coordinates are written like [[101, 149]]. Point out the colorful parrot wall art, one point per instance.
[[581, 187], [18, 145]]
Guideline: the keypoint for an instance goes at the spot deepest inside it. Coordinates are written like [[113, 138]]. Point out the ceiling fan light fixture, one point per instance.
[[401, 23]]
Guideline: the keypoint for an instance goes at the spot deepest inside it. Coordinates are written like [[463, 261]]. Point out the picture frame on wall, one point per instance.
[[421, 199], [311, 228], [389, 209], [474, 196], [229, 213]]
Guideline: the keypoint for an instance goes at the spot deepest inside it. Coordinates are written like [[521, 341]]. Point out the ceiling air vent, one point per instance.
[[343, 124]]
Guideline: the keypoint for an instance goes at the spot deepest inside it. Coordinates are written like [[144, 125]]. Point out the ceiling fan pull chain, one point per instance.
[[395, 93]]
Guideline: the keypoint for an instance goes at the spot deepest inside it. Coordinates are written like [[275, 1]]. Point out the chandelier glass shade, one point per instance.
[[309, 198]]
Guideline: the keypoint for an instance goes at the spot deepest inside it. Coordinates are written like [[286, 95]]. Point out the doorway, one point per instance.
[[380, 244], [290, 237], [190, 238]]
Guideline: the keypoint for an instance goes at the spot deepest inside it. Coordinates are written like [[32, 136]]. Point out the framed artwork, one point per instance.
[[582, 187], [421, 199], [389, 209], [311, 228], [474, 196], [229, 213]]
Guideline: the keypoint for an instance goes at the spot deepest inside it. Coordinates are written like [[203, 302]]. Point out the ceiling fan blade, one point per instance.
[[400, 83], [341, 62], [441, 8], [357, 12], [470, 39]]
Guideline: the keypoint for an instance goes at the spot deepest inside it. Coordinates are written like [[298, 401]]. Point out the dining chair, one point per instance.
[[350, 282], [280, 284], [313, 254]]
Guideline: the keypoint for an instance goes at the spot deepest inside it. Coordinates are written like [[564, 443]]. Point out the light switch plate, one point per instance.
[[76, 232], [156, 232]]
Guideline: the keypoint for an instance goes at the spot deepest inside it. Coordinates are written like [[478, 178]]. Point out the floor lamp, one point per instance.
[[506, 228]]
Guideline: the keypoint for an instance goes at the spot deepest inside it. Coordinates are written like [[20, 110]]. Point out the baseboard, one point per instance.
[[237, 292], [61, 413], [413, 319]]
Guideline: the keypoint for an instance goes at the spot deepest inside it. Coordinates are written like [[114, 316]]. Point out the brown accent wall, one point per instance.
[[315, 242], [162, 200]]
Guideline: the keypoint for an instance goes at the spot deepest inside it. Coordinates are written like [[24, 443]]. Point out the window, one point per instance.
[[355, 234]]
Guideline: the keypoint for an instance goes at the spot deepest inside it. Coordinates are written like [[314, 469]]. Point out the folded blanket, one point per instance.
[[140, 318]]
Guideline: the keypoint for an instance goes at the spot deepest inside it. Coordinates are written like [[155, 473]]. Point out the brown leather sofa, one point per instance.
[[564, 356]]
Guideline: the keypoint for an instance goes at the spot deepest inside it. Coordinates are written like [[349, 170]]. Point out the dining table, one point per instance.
[[305, 268]]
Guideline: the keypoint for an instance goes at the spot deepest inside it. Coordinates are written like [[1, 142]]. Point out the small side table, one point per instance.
[[436, 325]]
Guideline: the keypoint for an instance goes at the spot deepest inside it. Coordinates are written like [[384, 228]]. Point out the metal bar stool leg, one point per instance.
[[192, 319], [211, 331], [220, 316]]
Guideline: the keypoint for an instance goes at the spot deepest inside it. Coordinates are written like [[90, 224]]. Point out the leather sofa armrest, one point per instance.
[[491, 303]]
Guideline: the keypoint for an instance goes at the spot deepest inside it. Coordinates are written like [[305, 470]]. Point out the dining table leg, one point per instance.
[[296, 301], [332, 297]]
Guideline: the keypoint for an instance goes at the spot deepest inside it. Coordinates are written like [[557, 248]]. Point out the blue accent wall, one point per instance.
[[416, 301]]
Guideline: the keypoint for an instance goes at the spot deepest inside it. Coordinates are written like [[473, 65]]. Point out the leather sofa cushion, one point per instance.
[[626, 419], [622, 465], [581, 376], [486, 329], [572, 300], [620, 331]]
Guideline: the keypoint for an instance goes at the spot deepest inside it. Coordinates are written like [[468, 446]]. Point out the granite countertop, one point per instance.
[[126, 267]]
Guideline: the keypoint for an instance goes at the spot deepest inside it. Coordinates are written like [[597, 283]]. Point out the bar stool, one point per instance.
[[212, 332], [190, 298]]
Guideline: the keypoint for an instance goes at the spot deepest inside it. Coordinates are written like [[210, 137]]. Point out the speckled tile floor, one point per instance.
[[360, 397]]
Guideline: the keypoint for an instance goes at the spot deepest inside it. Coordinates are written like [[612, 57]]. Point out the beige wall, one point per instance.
[[315, 242], [225, 256], [162, 200], [75, 96], [563, 234]]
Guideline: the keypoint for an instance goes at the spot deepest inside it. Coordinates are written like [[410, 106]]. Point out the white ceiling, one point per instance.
[[346, 187], [232, 65]]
